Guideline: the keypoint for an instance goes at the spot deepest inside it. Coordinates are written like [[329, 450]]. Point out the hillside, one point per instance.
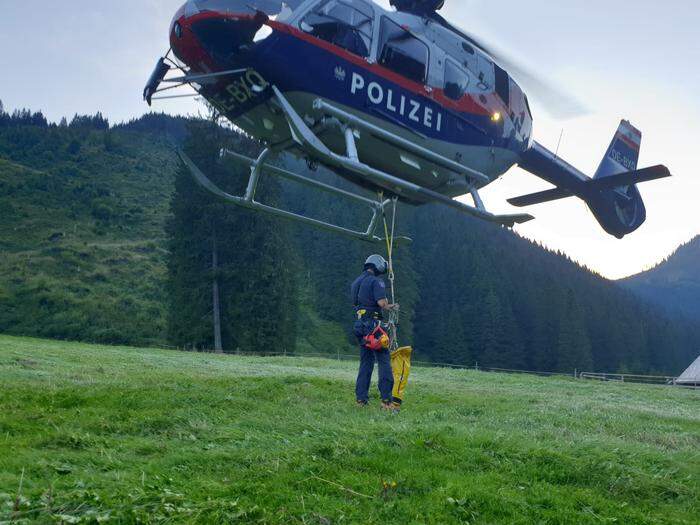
[[97, 434], [82, 233], [674, 284], [88, 229]]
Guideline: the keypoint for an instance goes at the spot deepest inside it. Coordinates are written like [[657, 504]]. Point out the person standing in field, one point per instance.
[[369, 298]]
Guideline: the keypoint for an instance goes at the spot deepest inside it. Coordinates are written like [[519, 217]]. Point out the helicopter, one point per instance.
[[399, 102]]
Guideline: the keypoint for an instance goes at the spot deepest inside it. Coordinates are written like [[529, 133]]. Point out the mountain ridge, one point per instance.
[[674, 283]]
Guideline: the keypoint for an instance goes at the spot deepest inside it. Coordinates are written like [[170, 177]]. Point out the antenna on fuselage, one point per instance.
[[556, 153]]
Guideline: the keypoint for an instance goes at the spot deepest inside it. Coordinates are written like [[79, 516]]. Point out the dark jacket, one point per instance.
[[366, 292]]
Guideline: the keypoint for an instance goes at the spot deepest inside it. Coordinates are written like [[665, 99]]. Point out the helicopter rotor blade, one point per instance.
[[553, 99]]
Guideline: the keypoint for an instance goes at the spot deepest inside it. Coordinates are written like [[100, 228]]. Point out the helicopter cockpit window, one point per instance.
[[346, 24], [401, 52], [456, 81]]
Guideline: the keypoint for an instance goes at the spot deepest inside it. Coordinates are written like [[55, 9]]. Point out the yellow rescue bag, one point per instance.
[[401, 367]]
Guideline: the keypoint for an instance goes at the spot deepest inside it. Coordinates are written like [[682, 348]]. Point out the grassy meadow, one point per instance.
[[95, 434]]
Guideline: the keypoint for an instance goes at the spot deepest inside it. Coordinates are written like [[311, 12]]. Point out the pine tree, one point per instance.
[[223, 256], [573, 345]]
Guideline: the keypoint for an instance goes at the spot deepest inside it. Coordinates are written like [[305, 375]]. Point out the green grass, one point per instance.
[[124, 435]]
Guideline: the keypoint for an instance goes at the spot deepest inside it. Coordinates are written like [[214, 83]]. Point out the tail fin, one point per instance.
[[623, 152], [612, 195]]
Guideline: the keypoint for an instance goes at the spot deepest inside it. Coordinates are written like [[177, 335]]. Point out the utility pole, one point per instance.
[[218, 348]]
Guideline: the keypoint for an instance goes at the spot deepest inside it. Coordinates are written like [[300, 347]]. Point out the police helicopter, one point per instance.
[[400, 102]]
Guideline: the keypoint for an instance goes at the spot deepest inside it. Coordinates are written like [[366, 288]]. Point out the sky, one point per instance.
[[634, 60]]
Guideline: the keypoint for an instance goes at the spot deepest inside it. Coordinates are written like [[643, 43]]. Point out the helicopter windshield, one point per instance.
[[347, 25]]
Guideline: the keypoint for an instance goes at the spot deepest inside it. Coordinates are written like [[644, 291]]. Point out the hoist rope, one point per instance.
[[389, 238]]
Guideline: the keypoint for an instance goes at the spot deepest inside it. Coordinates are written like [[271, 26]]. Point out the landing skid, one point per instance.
[[248, 200], [306, 139]]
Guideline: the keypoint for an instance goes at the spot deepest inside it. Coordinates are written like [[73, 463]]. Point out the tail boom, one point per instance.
[[611, 195]]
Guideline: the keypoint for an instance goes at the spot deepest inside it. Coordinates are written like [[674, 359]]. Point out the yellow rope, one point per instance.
[[389, 238]]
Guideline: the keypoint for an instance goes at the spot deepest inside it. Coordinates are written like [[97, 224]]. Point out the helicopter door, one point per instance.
[[347, 24], [402, 52]]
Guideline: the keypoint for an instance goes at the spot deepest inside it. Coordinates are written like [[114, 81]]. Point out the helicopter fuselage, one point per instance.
[[400, 101], [403, 73]]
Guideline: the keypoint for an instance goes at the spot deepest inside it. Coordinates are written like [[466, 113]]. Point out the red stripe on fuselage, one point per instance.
[[193, 50]]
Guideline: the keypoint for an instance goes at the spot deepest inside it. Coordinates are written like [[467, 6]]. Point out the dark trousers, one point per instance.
[[364, 376]]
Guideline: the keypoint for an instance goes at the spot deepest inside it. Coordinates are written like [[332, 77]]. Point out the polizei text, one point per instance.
[[400, 104]]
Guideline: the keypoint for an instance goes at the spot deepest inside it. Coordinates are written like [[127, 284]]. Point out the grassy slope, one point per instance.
[[101, 278], [128, 434]]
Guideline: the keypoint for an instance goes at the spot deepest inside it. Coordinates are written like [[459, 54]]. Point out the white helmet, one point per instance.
[[378, 263]]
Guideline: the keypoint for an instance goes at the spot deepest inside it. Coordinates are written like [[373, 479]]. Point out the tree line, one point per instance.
[[26, 117], [471, 293]]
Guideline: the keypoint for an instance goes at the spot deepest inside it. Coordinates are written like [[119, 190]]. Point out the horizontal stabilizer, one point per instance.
[[509, 220], [630, 177], [540, 197], [609, 182]]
